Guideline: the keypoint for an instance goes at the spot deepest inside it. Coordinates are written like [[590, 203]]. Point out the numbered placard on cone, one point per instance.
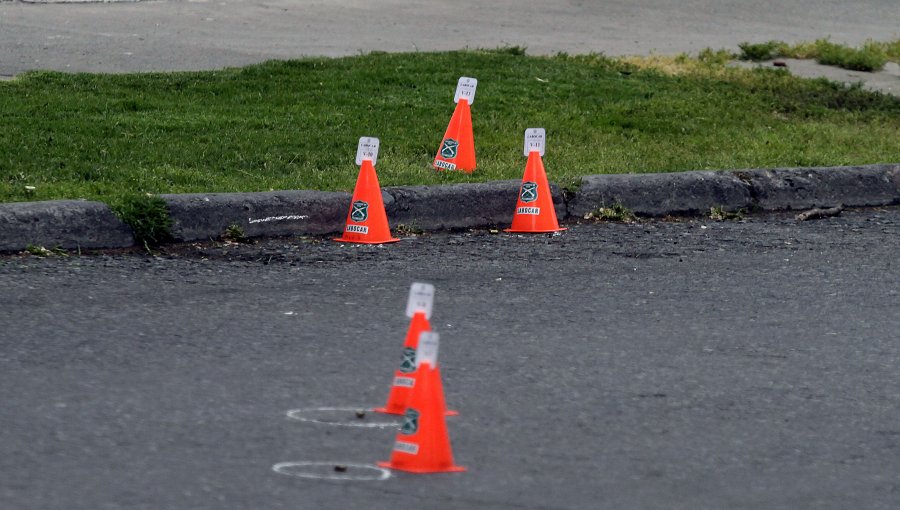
[[465, 89], [535, 140], [421, 299], [457, 149], [367, 150]]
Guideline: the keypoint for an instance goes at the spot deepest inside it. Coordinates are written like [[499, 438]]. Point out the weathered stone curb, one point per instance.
[[804, 188], [69, 224], [202, 216], [72, 224], [661, 194], [458, 205]]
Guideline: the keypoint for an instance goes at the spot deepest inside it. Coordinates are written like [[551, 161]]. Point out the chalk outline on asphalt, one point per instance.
[[281, 468], [296, 414]]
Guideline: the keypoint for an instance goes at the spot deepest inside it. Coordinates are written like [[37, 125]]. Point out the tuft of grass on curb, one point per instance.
[[43, 252], [295, 124], [410, 230], [718, 213], [148, 217], [616, 213], [235, 234]]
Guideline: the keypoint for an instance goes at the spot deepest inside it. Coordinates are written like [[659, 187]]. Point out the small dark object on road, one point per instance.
[[817, 213], [340, 469], [360, 414], [779, 63]]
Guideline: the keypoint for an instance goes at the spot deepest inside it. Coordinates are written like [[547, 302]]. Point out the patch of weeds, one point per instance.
[[718, 213], [871, 57], [616, 213], [40, 251], [235, 234], [709, 56], [148, 217], [892, 50], [516, 51], [761, 51], [572, 187], [408, 230]]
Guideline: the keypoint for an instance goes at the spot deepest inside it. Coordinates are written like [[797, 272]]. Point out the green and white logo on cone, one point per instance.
[[449, 148], [409, 360], [529, 192], [410, 422], [359, 211]]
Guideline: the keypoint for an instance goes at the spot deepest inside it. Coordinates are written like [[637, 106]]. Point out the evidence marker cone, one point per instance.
[[535, 212], [404, 377], [418, 307], [366, 221], [457, 150], [422, 445]]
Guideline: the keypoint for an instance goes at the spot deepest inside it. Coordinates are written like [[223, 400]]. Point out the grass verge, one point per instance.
[[295, 124]]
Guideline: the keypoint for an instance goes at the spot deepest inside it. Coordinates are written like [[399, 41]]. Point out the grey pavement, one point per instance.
[[659, 365], [187, 35]]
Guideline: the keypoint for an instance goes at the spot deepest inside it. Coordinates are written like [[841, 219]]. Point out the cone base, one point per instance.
[[342, 240], [521, 231], [449, 469], [385, 410]]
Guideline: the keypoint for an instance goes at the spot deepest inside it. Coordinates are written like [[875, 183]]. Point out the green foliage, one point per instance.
[[617, 213], [715, 57], [719, 213], [148, 217], [40, 251], [516, 51], [871, 57], [235, 234], [411, 229], [761, 51], [295, 124]]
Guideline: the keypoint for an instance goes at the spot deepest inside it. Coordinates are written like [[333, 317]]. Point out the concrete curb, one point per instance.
[[685, 193], [458, 205], [803, 188], [69, 224], [203, 216], [73, 224]]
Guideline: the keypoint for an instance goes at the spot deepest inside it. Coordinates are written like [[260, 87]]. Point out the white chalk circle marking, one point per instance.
[[335, 415], [322, 470]]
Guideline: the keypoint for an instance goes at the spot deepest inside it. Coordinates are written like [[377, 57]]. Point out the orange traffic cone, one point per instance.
[[367, 222], [422, 445], [404, 377], [457, 150], [534, 208]]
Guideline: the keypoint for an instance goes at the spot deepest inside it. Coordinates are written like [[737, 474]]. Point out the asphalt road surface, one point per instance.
[[184, 35], [670, 365]]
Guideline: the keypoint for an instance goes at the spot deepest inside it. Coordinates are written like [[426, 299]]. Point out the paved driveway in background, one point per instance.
[[188, 35]]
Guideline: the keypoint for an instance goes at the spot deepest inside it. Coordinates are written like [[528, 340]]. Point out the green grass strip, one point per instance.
[[295, 124]]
